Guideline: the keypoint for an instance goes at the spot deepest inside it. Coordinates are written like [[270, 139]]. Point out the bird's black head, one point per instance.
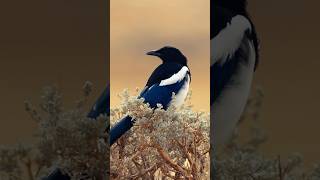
[[169, 54]]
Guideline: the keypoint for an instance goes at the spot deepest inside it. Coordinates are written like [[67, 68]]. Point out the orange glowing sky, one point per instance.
[[139, 26]]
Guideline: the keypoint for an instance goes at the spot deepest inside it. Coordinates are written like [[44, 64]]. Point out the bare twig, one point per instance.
[[169, 161]]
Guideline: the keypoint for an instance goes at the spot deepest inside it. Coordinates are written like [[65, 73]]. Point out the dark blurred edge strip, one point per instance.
[[57, 174]]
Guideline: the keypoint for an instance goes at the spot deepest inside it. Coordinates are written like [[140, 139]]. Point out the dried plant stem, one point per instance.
[[170, 162], [144, 171], [28, 165], [280, 168]]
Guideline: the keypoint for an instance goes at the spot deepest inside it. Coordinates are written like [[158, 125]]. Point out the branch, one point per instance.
[[186, 153], [280, 168], [143, 172], [28, 164], [169, 161]]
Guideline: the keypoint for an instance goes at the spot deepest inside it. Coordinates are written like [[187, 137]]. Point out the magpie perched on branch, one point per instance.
[[234, 58], [171, 77]]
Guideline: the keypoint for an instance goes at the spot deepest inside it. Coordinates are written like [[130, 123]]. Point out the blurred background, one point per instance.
[[45, 42], [140, 26], [289, 75]]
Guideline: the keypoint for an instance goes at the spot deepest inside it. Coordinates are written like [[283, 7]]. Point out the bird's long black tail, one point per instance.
[[120, 128]]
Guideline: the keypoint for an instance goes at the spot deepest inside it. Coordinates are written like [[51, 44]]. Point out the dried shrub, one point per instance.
[[65, 138], [171, 144]]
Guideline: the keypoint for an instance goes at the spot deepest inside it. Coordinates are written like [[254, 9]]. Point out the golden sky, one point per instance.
[[141, 25]]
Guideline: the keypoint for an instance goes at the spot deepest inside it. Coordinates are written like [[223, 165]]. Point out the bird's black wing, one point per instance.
[[163, 71], [154, 93], [102, 105], [224, 67], [221, 75]]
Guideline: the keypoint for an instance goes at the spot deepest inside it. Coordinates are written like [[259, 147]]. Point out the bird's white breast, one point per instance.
[[182, 94], [182, 75], [226, 111]]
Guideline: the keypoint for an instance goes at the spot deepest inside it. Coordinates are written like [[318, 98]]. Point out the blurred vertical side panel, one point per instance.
[[54, 88], [276, 135], [234, 60]]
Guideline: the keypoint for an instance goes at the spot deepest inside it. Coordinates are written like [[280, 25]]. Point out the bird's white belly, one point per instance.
[[226, 111], [182, 94]]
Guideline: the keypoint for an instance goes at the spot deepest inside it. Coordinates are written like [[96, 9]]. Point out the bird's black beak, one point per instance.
[[153, 53]]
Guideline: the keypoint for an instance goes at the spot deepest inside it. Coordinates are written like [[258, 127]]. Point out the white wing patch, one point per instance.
[[176, 77], [182, 94], [229, 39]]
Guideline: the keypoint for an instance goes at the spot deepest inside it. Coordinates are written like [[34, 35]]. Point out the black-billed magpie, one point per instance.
[[171, 77], [234, 58]]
